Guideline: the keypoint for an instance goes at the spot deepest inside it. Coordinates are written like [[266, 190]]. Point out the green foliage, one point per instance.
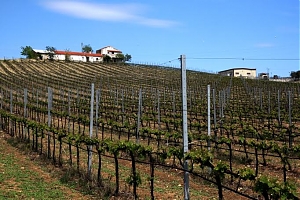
[[220, 169], [288, 191], [28, 52], [267, 187], [295, 75], [120, 57], [202, 157], [51, 52], [177, 152], [114, 147], [224, 140], [127, 58], [87, 48], [163, 154], [271, 188], [107, 59], [134, 179], [247, 174]]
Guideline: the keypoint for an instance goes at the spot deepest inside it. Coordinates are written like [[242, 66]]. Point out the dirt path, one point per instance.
[[22, 178]]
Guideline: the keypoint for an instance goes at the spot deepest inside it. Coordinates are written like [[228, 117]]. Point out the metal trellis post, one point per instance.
[[184, 125]]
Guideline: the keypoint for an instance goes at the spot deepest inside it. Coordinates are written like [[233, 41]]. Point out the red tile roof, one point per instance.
[[78, 53]]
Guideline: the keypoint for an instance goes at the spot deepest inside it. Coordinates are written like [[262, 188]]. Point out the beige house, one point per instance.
[[237, 72], [42, 54], [109, 50]]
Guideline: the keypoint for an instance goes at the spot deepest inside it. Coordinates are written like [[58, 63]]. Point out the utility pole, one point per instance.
[[184, 125]]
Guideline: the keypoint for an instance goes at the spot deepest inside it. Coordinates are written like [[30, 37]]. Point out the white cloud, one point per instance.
[[130, 13]]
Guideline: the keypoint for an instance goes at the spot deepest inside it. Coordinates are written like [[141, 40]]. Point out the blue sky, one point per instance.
[[156, 32]]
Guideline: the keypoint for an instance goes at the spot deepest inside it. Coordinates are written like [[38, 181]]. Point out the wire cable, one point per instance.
[[168, 61], [235, 58]]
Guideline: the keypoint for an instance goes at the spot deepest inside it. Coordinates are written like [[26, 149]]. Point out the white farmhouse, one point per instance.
[[72, 56], [109, 50], [42, 54], [237, 72], [78, 56]]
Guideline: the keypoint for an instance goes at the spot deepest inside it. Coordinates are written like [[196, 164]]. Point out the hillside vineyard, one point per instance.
[[253, 148]]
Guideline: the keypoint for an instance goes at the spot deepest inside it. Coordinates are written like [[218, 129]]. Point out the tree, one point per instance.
[[107, 59], [295, 75], [51, 52], [120, 57], [28, 52], [87, 48], [127, 58]]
